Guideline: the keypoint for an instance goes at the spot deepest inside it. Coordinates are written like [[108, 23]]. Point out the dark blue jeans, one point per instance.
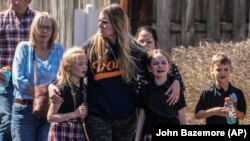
[[25, 126], [6, 102]]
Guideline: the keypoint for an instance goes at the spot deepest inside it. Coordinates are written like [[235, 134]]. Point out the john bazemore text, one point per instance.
[[161, 132]]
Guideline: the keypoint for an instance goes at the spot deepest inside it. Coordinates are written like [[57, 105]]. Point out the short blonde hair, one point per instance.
[[220, 58], [34, 29]]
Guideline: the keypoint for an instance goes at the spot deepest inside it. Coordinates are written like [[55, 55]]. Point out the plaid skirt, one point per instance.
[[67, 131]]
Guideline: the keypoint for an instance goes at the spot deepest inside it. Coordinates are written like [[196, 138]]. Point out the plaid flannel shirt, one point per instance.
[[13, 29]]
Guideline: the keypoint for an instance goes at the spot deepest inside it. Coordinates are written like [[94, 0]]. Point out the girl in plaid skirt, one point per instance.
[[67, 116]]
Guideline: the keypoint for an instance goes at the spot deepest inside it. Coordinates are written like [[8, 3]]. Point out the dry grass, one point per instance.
[[193, 63]]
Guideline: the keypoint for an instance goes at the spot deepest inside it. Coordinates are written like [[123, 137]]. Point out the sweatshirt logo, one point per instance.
[[107, 70]]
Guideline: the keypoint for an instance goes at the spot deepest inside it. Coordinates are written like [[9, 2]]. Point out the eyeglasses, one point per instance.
[[43, 27]]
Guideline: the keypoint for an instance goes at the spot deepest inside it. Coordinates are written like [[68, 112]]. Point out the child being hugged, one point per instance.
[[153, 108], [211, 103], [67, 116]]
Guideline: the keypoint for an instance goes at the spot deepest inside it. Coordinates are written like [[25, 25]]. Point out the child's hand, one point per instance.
[[81, 111], [220, 111], [232, 113], [238, 114]]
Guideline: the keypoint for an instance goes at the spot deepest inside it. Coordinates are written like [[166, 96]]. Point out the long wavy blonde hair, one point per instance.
[[70, 56], [120, 24]]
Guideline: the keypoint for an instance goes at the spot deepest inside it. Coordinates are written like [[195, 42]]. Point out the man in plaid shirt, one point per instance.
[[14, 27]]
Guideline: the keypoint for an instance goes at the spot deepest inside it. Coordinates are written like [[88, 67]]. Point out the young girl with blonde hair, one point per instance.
[[67, 117]]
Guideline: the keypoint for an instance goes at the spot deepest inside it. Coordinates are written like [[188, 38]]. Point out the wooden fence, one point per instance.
[[187, 22], [178, 22]]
